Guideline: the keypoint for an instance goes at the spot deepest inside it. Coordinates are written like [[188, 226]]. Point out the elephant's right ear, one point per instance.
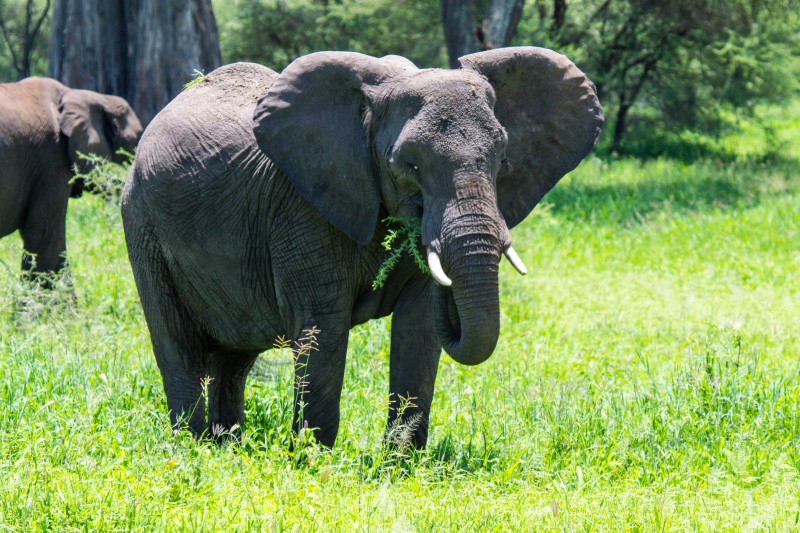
[[312, 124]]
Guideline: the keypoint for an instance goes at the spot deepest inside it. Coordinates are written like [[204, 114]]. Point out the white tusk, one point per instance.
[[515, 261], [436, 270]]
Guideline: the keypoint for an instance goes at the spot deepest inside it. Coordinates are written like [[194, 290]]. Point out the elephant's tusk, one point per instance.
[[515, 261], [436, 270]]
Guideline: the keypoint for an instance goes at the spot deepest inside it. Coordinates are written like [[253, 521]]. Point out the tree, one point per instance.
[[464, 35], [142, 50], [21, 29], [275, 32], [680, 62]]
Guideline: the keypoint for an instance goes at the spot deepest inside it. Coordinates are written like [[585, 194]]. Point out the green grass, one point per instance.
[[647, 379]]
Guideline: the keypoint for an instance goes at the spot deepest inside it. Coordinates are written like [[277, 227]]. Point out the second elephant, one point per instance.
[[44, 125], [255, 205]]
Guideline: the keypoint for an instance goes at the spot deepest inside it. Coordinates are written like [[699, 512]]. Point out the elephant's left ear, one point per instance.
[[552, 116]]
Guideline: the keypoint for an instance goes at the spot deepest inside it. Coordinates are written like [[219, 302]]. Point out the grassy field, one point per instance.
[[647, 379]]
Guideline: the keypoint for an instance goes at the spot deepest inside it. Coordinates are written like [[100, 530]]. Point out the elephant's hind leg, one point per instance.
[[178, 343], [228, 371], [43, 234], [182, 367]]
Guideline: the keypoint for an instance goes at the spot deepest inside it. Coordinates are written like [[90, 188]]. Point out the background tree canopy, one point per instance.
[[275, 32], [662, 68], [676, 64], [24, 31]]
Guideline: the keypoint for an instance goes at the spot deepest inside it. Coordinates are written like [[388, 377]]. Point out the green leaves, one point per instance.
[[404, 237], [105, 178], [673, 66], [197, 78]]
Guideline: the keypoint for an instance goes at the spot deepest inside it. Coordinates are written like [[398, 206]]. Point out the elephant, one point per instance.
[[44, 125], [258, 202]]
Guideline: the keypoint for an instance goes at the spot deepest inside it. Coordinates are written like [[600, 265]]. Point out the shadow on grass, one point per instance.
[[648, 144]]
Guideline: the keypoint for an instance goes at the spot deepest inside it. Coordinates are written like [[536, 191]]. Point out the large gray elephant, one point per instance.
[[255, 209], [43, 127]]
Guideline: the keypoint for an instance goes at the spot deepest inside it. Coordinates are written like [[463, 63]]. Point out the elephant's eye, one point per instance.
[[408, 168], [404, 162], [505, 164], [503, 156]]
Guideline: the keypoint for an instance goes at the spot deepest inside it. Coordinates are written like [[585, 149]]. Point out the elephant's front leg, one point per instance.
[[319, 359], [414, 361]]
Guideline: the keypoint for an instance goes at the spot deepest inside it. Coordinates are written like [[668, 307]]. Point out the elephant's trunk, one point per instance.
[[467, 312]]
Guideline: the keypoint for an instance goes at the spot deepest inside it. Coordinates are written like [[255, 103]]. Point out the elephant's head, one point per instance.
[[98, 124], [470, 151]]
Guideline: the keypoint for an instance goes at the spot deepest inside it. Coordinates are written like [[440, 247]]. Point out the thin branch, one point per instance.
[[39, 22], [28, 16], [7, 38], [576, 39], [27, 42], [650, 66], [32, 26]]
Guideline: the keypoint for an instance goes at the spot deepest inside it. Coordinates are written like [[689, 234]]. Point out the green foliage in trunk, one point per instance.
[[403, 237]]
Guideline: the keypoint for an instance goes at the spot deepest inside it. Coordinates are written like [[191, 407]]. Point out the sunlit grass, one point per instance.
[[647, 379]]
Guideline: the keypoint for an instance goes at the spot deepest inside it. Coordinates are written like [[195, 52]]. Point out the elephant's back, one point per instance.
[[226, 95], [203, 139]]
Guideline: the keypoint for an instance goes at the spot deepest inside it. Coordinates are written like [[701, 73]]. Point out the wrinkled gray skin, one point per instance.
[[43, 125], [254, 210]]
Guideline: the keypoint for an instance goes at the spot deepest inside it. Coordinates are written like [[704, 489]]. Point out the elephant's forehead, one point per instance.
[[435, 85], [454, 116]]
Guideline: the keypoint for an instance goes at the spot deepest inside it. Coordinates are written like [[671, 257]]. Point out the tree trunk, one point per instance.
[[619, 126], [88, 45], [465, 35], [559, 15], [459, 29], [500, 24], [141, 50]]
